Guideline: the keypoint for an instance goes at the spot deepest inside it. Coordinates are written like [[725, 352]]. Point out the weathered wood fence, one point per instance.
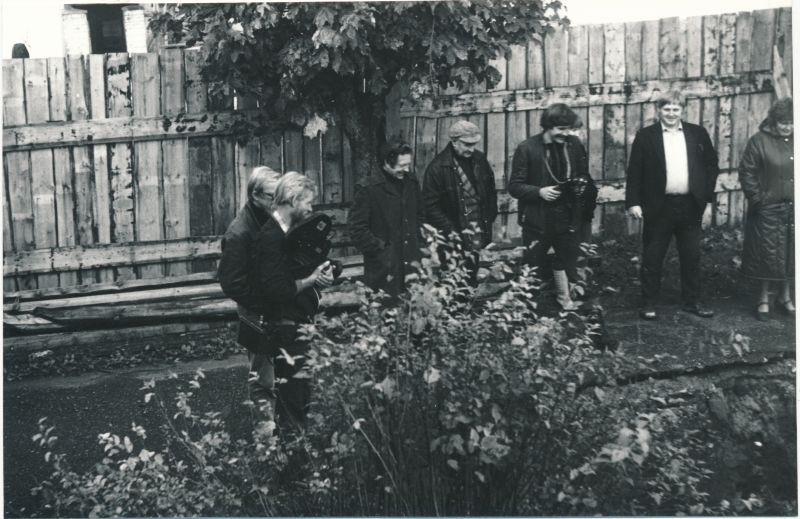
[[611, 74], [117, 167], [118, 170]]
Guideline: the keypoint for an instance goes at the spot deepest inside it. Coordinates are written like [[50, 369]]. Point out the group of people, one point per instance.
[[671, 177]]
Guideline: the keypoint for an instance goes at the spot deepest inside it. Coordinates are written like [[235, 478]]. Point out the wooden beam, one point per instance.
[[590, 95], [127, 129]]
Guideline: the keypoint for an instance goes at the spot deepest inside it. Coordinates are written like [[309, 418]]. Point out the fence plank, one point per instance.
[[633, 51], [744, 36], [556, 50], [581, 133], [425, 145], [13, 92], [37, 107], [247, 158], [672, 44], [596, 51], [721, 212], [312, 162], [783, 39], [196, 89], [759, 106], [201, 220], [578, 55], [222, 164], [711, 45], [100, 209], [741, 131], [501, 65], [710, 111], [175, 153], [633, 122], [496, 147], [596, 146], [735, 208], [120, 160], [614, 60], [727, 50], [614, 139], [348, 189], [764, 30], [9, 284], [293, 150], [56, 79], [649, 114], [650, 49], [536, 63], [149, 205], [332, 166], [517, 77], [65, 222], [692, 111], [725, 132], [694, 46], [516, 132], [271, 151]]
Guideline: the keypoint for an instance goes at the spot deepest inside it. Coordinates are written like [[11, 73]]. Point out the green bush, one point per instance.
[[440, 404]]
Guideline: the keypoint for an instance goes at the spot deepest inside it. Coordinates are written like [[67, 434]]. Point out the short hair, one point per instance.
[[559, 114], [670, 97], [781, 112], [263, 181], [293, 186], [393, 149]]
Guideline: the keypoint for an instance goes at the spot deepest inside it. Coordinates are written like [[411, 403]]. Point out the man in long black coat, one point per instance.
[[671, 177], [385, 220], [459, 191]]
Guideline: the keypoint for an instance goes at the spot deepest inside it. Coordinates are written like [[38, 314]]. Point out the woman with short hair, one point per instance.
[[766, 172]]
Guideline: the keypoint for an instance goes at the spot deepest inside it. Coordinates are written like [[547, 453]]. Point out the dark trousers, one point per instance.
[[564, 243], [679, 216]]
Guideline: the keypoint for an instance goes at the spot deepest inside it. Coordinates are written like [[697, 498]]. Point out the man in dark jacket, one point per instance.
[[540, 169], [385, 219], [459, 192], [671, 177]]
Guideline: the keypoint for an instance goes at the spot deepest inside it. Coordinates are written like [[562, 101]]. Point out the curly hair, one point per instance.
[[559, 114]]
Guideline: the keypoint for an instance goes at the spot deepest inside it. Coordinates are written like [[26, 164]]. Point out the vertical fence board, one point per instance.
[[581, 133], [614, 57], [502, 66], [196, 89], [650, 49], [578, 55], [149, 206], [536, 64], [65, 222], [721, 212], [332, 166], [312, 162], [710, 111], [694, 46], [692, 111], [348, 189], [711, 45], [633, 51], [596, 53], [556, 62], [13, 92], [247, 157], [783, 39], [425, 144], [764, 39], [496, 147], [744, 37], [271, 154], [174, 165], [595, 147], [614, 138], [633, 122], [735, 207], [224, 195], [120, 160], [9, 283], [516, 132], [201, 220], [725, 132], [517, 75], [727, 46], [56, 80], [100, 207], [37, 108], [672, 44], [293, 150], [739, 119]]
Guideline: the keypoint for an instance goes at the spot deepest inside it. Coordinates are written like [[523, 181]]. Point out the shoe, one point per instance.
[[762, 312], [786, 306], [698, 310], [648, 314]]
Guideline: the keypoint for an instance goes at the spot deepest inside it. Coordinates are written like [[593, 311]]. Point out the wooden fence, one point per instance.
[[117, 167], [610, 74]]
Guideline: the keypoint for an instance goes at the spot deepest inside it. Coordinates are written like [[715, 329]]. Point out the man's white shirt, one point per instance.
[[676, 160]]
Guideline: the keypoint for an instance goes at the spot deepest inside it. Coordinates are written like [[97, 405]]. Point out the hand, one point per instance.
[[635, 211], [549, 193], [323, 275]]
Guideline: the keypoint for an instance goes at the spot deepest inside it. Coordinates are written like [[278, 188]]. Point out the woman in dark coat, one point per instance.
[[766, 173]]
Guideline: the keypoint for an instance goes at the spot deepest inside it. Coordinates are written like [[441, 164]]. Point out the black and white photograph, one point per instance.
[[521, 258]]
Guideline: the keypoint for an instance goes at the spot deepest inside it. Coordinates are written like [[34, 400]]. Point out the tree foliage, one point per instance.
[[336, 62]]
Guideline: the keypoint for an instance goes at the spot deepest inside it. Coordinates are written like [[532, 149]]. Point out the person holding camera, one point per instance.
[[543, 171]]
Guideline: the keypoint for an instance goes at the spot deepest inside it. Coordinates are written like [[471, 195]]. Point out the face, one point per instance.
[[301, 207], [670, 115], [558, 134], [464, 149], [400, 169], [784, 129]]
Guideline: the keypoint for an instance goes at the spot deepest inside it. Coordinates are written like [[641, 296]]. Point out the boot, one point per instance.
[[562, 290]]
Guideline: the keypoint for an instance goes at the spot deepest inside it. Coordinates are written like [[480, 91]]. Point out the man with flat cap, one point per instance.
[[459, 193]]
